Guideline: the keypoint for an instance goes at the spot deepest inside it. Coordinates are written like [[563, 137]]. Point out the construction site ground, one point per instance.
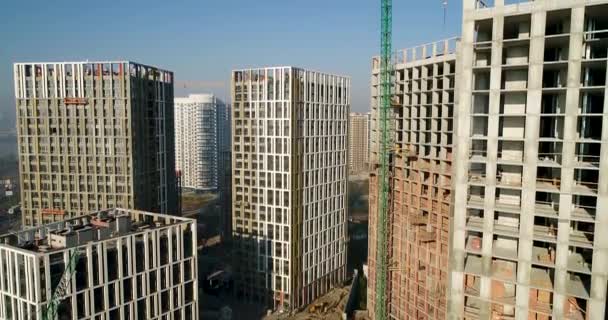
[[327, 307]]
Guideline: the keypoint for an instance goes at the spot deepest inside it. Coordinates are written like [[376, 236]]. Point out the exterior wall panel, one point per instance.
[[146, 272], [290, 167], [94, 135]]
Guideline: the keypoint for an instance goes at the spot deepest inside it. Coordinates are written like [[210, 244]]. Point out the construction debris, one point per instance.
[[328, 307]]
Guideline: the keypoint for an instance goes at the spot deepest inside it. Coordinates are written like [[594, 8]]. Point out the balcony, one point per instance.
[[476, 201], [478, 156], [583, 239], [502, 228], [578, 263], [581, 187], [548, 184], [479, 128], [505, 247], [542, 278], [546, 209], [578, 285], [509, 176], [477, 178], [512, 128], [472, 264], [545, 233], [584, 208], [593, 75], [483, 30], [543, 254], [504, 270], [589, 128], [475, 223], [550, 159], [555, 78]]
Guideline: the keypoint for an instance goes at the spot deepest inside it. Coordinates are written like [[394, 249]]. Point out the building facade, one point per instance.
[[290, 172], [199, 121], [531, 180], [94, 135], [422, 110], [358, 137], [131, 265], [225, 174]]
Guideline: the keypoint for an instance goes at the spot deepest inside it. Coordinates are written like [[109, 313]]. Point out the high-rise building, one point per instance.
[[358, 136], [225, 175], [531, 171], [130, 265], [199, 121], [290, 172], [94, 135], [422, 111]]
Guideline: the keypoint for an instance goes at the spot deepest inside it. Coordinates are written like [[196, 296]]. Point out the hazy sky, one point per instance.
[[203, 40]]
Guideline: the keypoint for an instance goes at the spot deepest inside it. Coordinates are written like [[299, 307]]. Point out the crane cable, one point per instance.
[[445, 12]]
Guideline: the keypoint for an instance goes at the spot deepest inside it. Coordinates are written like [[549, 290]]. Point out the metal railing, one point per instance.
[[556, 181], [594, 160], [593, 186]]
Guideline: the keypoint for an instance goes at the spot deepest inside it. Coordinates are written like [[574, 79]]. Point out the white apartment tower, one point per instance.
[[290, 171], [199, 121], [131, 265], [531, 162]]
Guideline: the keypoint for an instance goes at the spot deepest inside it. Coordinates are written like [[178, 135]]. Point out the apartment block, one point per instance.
[[358, 137], [225, 173], [94, 135], [420, 165], [199, 121], [131, 265], [531, 180], [290, 172]]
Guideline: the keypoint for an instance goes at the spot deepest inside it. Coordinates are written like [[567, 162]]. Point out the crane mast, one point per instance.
[[381, 306], [50, 313]]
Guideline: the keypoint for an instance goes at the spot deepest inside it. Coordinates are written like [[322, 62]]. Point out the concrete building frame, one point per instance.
[[531, 184], [143, 267], [94, 135]]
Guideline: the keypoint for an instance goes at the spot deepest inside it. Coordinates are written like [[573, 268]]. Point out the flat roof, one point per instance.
[[90, 62], [93, 227]]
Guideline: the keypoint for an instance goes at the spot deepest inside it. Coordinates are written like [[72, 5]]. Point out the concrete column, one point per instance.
[[568, 151], [461, 139], [528, 200], [599, 272], [491, 169]]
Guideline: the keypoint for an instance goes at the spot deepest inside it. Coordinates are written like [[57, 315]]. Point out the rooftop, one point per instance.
[[93, 227]]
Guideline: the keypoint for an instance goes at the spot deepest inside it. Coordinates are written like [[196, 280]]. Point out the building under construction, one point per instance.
[[420, 165], [94, 135], [129, 265], [531, 162]]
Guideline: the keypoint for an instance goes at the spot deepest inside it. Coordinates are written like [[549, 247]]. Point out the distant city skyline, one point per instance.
[[202, 42]]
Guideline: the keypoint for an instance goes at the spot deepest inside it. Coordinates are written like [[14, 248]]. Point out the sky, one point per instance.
[[203, 40]]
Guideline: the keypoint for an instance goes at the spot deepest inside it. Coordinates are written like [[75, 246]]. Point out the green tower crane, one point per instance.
[[50, 313], [381, 306]]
